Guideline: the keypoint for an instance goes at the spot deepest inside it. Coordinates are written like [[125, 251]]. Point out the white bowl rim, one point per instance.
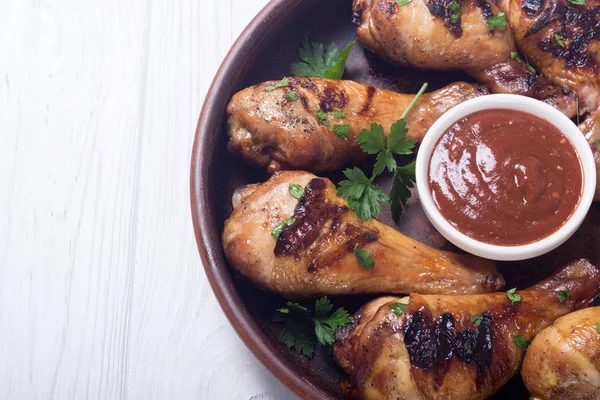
[[518, 103]]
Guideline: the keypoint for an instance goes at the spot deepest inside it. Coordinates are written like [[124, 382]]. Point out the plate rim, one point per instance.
[[208, 240]]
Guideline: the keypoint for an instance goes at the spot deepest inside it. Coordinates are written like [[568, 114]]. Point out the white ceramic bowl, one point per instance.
[[518, 103]]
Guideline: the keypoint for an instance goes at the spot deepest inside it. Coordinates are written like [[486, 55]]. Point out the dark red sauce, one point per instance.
[[505, 177]]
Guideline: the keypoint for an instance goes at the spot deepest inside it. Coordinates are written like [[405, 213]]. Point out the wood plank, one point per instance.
[[181, 344], [70, 104]]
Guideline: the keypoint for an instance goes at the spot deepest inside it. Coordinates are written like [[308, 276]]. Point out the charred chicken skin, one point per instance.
[[314, 253], [271, 131], [427, 34], [563, 361], [562, 40], [452, 347]]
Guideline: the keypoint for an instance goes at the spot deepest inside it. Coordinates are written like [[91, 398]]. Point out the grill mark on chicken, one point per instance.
[[311, 214], [387, 8], [333, 98], [579, 28], [533, 7], [369, 100], [441, 9], [432, 344]]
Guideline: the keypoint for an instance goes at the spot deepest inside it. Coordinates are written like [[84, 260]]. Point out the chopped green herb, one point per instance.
[[368, 235], [477, 319], [563, 295], [403, 2], [284, 83], [322, 117], [598, 327], [299, 334], [578, 2], [398, 308], [338, 114], [364, 257], [362, 195], [559, 39], [513, 296], [497, 21], [292, 96], [280, 226], [454, 12], [515, 56], [521, 342], [341, 130], [318, 62], [296, 190]]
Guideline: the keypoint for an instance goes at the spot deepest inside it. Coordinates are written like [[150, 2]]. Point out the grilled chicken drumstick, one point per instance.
[[424, 34], [269, 130], [314, 255], [563, 361], [452, 347], [562, 40]]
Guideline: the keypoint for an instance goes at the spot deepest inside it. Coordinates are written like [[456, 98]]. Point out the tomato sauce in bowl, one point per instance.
[[505, 177]]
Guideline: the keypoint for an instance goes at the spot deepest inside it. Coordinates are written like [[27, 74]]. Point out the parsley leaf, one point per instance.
[[515, 56], [341, 130], [497, 21], [455, 12], [292, 96], [578, 2], [338, 114], [513, 296], [327, 326], [368, 235], [563, 295], [521, 342], [296, 190], [398, 308], [323, 118], [277, 229], [403, 2], [336, 71], [559, 39], [363, 197], [598, 327], [298, 333], [404, 179], [284, 83], [364, 257], [477, 319], [320, 63]]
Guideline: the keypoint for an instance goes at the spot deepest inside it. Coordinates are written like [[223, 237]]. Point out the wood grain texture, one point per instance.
[[102, 294]]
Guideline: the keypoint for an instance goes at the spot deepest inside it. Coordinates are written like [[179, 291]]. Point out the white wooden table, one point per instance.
[[102, 294]]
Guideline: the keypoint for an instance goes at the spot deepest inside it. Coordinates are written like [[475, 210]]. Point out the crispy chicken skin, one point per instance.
[[270, 131], [563, 361], [314, 255], [576, 65], [434, 350], [422, 34]]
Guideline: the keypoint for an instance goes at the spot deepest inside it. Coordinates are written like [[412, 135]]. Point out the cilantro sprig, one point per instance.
[[398, 308], [521, 342], [513, 295], [363, 196], [302, 327], [316, 61], [563, 295], [515, 56], [497, 21]]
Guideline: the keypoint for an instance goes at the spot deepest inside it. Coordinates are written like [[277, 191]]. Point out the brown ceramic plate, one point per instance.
[[263, 52]]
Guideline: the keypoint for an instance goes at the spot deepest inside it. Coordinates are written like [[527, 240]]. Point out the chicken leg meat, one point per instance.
[[454, 35], [315, 252], [453, 347]]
